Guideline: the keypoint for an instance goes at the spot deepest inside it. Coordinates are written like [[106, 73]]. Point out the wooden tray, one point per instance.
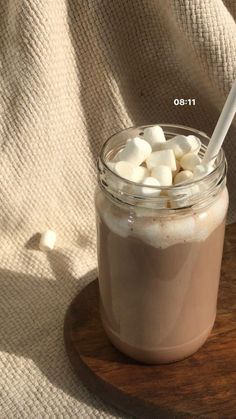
[[203, 385]]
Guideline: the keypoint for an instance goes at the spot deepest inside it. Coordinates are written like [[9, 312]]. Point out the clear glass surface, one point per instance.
[[159, 263]]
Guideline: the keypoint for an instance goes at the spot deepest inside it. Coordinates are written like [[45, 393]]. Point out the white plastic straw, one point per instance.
[[222, 126]]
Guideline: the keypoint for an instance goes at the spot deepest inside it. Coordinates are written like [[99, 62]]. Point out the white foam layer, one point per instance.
[[163, 232]]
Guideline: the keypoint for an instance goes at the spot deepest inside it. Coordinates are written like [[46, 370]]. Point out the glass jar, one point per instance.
[[159, 256]]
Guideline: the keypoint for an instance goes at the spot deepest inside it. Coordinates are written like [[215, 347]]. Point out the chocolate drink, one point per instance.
[[159, 281]]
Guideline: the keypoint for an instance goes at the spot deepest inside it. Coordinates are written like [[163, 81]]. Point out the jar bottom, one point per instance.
[[161, 355]]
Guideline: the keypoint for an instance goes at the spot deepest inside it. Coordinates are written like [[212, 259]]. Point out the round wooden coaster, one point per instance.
[[203, 385]]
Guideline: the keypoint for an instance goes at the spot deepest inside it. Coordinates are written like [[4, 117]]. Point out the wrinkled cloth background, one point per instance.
[[72, 73]]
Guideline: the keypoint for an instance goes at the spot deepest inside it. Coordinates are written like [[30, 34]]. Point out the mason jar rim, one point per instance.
[[220, 162], [221, 155]]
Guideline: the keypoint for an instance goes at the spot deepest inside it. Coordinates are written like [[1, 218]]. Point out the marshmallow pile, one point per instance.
[[154, 161]]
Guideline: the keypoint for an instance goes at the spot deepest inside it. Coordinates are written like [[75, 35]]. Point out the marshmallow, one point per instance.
[[127, 171], [183, 176], [202, 170], [47, 240], [182, 145], [163, 174], [124, 169], [139, 174], [136, 151], [154, 136], [179, 145], [195, 143], [189, 161], [163, 157], [150, 181], [178, 167]]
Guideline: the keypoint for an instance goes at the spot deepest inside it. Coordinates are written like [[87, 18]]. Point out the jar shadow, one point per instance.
[[31, 324]]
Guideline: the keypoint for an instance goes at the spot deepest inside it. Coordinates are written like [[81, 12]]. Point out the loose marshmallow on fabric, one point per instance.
[[47, 240], [154, 136], [182, 145], [150, 181], [202, 170], [189, 161], [183, 176], [135, 152], [163, 157], [163, 174]]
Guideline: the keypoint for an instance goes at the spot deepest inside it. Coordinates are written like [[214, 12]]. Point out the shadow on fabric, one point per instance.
[[32, 317]]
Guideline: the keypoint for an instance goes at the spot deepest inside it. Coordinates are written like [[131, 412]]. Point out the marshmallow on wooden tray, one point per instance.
[[150, 181], [135, 152], [154, 136], [184, 176], [163, 174], [47, 240], [202, 170], [189, 161], [163, 157]]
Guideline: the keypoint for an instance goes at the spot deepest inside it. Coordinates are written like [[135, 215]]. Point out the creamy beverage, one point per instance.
[[160, 231], [159, 283]]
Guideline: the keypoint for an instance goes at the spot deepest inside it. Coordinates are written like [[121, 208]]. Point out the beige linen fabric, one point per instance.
[[72, 73]]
